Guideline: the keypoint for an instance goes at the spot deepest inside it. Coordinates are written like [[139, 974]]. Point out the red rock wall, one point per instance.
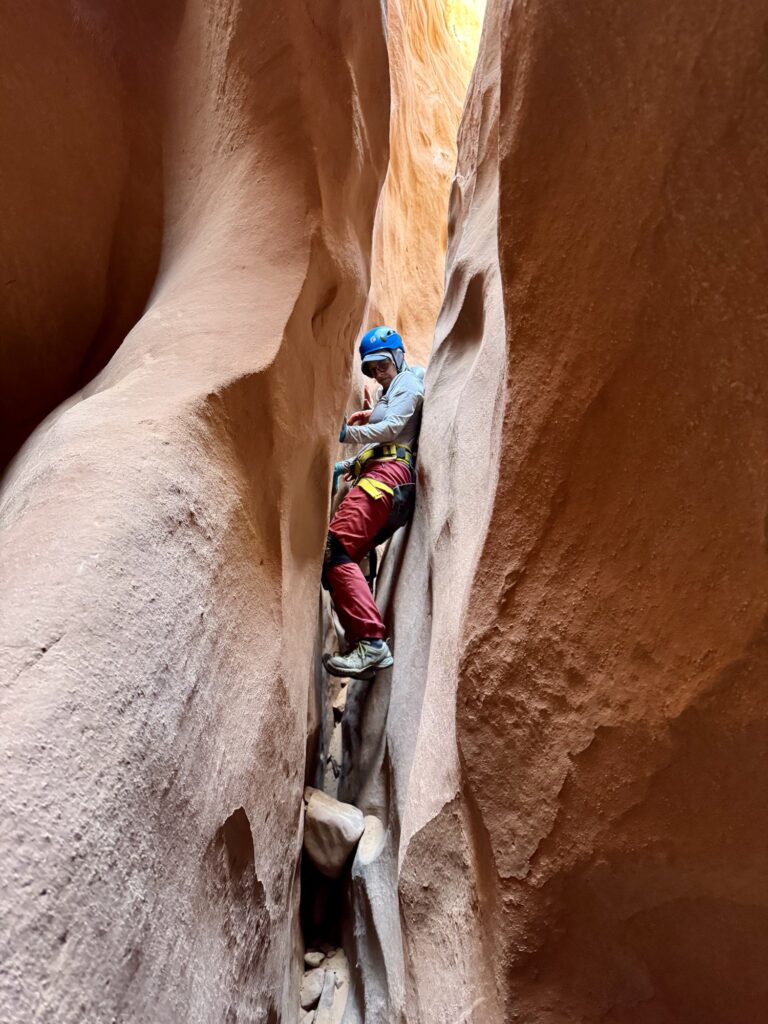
[[611, 699], [162, 531], [569, 752], [81, 193]]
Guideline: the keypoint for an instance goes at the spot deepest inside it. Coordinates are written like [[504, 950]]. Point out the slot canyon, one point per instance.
[[553, 802]]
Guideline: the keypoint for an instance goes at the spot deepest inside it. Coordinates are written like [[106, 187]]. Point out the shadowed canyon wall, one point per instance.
[[81, 193], [162, 531], [601, 809]]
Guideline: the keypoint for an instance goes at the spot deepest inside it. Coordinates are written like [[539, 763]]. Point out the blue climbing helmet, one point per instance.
[[379, 340]]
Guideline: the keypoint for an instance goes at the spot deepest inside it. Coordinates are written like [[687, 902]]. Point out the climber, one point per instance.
[[379, 501]]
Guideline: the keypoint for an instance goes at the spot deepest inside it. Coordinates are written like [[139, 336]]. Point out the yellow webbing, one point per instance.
[[385, 453], [375, 488]]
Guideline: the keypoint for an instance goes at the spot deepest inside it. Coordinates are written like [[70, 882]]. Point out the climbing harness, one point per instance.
[[383, 453], [374, 488], [403, 501], [403, 495]]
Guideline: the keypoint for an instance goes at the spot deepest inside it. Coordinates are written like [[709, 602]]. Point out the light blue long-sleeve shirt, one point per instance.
[[396, 416]]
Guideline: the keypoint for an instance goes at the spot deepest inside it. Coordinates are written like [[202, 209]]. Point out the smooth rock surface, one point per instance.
[[324, 1014], [610, 710], [372, 841], [563, 777], [81, 193], [571, 745], [161, 533], [331, 831], [311, 987]]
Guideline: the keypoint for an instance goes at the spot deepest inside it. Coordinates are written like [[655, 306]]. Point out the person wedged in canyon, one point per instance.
[[379, 501]]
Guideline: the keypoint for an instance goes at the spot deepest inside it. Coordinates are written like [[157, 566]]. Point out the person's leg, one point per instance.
[[354, 603], [353, 529], [357, 521]]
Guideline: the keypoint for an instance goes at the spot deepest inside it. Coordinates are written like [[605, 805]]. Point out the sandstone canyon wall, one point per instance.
[[599, 821], [81, 186], [162, 531], [563, 774], [432, 47]]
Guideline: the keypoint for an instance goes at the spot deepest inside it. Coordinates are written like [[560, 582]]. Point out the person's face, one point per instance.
[[383, 372]]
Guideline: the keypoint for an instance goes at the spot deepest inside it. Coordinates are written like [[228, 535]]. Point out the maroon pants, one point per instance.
[[357, 521]]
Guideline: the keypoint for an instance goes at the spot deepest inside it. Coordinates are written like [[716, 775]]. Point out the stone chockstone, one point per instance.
[[331, 831], [311, 987], [313, 957]]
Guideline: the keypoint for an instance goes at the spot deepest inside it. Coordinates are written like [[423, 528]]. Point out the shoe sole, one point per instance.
[[365, 673]]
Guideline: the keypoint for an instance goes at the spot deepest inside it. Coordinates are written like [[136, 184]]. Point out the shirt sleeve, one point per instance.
[[401, 408]]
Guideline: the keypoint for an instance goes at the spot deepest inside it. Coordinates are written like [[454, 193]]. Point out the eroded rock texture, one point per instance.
[[432, 46], [593, 522], [162, 531]]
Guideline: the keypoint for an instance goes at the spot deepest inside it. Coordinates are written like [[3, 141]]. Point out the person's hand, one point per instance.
[[339, 470], [358, 418]]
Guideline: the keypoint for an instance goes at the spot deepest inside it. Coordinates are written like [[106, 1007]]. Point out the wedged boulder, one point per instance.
[[314, 957], [331, 831], [372, 841], [311, 988]]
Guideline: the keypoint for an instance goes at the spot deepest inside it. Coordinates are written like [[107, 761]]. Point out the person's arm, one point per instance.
[[401, 408], [346, 464]]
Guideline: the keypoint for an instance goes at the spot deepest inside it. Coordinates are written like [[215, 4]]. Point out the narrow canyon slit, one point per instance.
[[353, 961]]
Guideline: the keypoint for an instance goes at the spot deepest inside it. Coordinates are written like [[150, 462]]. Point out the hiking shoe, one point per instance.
[[362, 662]]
